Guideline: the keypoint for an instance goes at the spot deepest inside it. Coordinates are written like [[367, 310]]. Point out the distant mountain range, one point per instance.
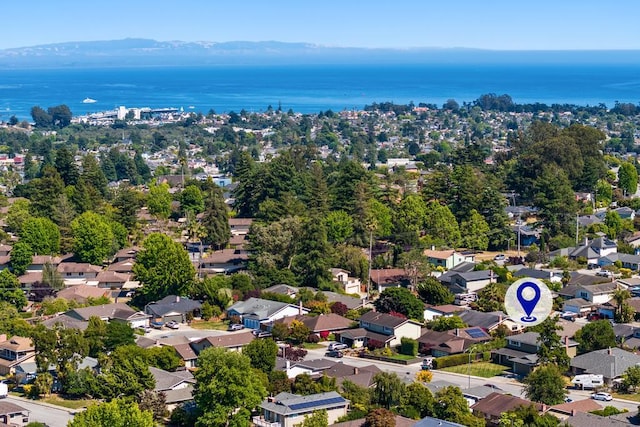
[[145, 52]]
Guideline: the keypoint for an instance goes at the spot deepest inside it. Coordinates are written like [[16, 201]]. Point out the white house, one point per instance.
[[255, 312], [350, 285], [288, 410], [447, 259], [446, 310]]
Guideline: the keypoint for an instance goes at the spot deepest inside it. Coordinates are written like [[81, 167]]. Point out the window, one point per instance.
[[514, 343]]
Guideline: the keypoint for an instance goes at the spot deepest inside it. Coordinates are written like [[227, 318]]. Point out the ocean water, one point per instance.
[[310, 89]]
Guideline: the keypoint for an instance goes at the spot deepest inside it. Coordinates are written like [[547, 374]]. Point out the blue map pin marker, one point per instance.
[[528, 305]]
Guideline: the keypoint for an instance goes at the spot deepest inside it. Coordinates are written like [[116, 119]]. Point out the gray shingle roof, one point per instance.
[[283, 402], [611, 363], [172, 303], [482, 320], [261, 308]]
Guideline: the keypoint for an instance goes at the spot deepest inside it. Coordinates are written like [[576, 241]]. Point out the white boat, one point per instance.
[[88, 101]]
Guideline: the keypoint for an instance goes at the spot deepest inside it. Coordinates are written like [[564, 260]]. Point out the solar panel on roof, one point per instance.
[[476, 333], [311, 404]]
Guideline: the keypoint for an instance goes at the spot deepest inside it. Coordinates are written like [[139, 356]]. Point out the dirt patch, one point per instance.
[[488, 256]]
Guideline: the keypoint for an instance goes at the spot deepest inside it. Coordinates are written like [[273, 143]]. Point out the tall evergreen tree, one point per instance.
[[216, 218], [313, 261], [66, 166]]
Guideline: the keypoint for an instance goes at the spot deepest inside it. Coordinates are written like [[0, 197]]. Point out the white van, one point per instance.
[[587, 381], [337, 346]]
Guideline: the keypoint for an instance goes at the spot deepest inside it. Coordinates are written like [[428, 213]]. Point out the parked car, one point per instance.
[[604, 273], [144, 329], [337, 346], [172, 325], [157, 325], [568, 400], [602, 396], [334, 353], [236, 327], [499, 257], [263, 334]]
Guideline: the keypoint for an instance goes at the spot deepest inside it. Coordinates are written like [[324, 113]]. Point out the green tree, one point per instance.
[[93, 239], [380, 417], [450, 405], [216, 218], [118, 334], [409, 219], [475, 232], [555, 199], [628, 178], [550, 347], [431, 291], [21, 256], [159, 200], [631, 379], [51, 276], [417, 401], [11, 323], [400, 300], [339, 226], [163, 267], [387, 390], [313, 261], [595, 336], [262, 354], [491, 298], [448, 323], [441, 225], [154, 402], [614, 224], [124, 372], [164, 357], [42, 235], [191, 199], [40, 117], [18, 213], [622, 315], [66, 166], [117, 413], [359, 396], [546, 385], [226, 392], [10, 290], [126, 203], [316, 419], [96, 334]]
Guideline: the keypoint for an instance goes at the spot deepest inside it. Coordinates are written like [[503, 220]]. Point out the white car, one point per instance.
[[601, 396], [172, 325], [337, 346]]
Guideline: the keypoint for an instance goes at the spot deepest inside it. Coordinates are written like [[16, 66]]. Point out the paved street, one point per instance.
[[464, 381], [51, 415]]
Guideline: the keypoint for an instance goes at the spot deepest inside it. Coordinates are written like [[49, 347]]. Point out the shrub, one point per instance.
[[408, 346], [313, 338], [373, 344], [454, 360]]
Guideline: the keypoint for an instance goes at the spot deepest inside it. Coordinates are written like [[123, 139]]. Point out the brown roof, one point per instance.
[[125, 266], [447, 308], [11, 408], [231, 340], [78, 267], [185, 351], [30, 278], [43, 259], [323, 322], [438, 254], [383, 319], [388, 275], [400, 421], [584, 405], [127, 252], [112, 277], [5, 259], [240, 221], [223, 256], [17, 343], [496, 403], [81, 293]]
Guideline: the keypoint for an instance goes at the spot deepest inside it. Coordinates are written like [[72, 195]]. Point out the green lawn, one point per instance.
[[67, 403], [478, 369], [633, 396], [312, 345], [216, 325]]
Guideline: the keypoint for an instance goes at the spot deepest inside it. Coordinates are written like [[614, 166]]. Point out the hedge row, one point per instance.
[[459, 359], [408, 346]]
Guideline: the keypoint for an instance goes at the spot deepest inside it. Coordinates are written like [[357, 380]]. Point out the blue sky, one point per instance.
[[492, 24]]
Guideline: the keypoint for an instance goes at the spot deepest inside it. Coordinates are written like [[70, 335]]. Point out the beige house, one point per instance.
[[14, 351], [393, 327]]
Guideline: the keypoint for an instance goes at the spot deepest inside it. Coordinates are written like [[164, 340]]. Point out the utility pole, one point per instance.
[[370, 252]]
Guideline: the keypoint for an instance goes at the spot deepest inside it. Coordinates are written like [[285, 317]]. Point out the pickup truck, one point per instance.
[[156, 325]]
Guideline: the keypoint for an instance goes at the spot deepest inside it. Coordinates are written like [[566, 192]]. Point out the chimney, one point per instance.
[[433, 247], [288, 365], [610, 352], [457, 332], [573, 412], [566, 343], [177, 298], [300, 307], [355, 370]]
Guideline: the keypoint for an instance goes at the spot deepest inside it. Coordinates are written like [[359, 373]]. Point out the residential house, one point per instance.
[[177, 386], [585, 298], [490, 320], [528, 235], [173, 308], [456, 341], [465, 282], [225, 261], [255, 312], [77, 273], [13, 415], [399, 421], [39, 261], [447, 259], [477, 393], [288, 410], [491, 407], [240, 226], [520, 354], [118, 312], [433, 422], [389, 278], [583, 419], [125, 266], [112, 280], [313, 368], [232, 342], [65, 321], [632, 262], [282, 289], [391, 326], [610, 363], [82, 293], [362, 376], [447, 310], [321, 325], [4, 250], [126, 254], [14, 351], [188, 356], [350, 285], [537, 274], [567, 409]]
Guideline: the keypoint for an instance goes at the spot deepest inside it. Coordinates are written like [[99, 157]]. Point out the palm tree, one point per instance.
[[620, 296]]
